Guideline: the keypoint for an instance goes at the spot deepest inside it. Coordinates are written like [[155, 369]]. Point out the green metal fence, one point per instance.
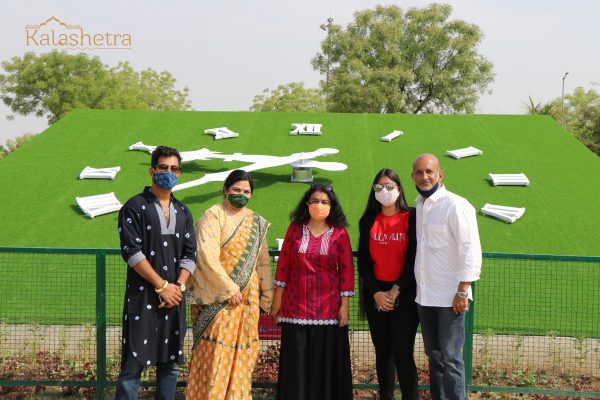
[[534, 326]]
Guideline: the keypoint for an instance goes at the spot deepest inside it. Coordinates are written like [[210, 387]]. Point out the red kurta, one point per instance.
[[315, 272]]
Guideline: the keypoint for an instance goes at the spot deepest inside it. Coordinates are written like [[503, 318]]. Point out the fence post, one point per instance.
[[468, 347], [100, 324]]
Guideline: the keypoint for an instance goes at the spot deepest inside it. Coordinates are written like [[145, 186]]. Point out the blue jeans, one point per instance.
[[443, 337], [129, 379]]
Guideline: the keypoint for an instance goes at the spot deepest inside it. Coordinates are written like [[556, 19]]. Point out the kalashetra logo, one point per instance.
[[55, 33]]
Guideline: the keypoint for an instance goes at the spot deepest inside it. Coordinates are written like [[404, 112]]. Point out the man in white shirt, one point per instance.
[[448, 259]]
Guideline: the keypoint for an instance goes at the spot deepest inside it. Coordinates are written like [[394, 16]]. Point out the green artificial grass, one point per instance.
[[41, 182], [40, 179]]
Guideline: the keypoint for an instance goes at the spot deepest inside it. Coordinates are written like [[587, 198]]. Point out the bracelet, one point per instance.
[[163, 287]]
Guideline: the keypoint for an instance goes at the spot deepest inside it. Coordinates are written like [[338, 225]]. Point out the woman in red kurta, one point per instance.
[[313, 283]]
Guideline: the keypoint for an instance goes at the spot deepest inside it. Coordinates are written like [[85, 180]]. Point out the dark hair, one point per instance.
[[336, 216], [236, 176], [373, 206], [164, 151]]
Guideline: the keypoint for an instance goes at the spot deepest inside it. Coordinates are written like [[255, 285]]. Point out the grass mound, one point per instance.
[[40, 179]]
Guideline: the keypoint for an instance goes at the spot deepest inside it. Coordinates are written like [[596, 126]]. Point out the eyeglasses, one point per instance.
[[320, 186], [378, 187], [164, 168], [317, 201]]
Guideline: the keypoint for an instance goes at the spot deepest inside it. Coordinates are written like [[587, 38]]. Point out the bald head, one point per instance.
[[427, 157], [426, 171]]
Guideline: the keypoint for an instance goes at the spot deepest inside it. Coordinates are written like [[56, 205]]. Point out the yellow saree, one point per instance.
[[231, 256]]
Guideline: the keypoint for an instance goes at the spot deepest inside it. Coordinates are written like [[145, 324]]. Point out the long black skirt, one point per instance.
[[314, 363]]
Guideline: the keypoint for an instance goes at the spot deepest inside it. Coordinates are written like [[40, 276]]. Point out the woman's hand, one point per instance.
[[383, 301], [276, 304], [344, 312], [393, 294], [236, 299]]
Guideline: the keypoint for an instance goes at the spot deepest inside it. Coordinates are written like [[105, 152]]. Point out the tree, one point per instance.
[[51, 84], [291, 97], [145, 90], [389, 61], [13, 144], [581, 115], [551, 108]]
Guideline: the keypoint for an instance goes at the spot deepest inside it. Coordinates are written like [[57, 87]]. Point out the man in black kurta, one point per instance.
[[159, 245]]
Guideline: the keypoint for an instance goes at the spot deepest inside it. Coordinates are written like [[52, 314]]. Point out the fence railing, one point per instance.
[[534, 327]]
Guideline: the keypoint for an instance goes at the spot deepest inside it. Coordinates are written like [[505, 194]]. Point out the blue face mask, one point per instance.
[[166, 180], [427, 193]]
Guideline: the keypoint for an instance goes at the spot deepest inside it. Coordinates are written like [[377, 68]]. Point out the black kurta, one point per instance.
[[154, 335]]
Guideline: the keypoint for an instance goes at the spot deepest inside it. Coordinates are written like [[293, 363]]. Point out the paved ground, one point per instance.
[[498, 350]]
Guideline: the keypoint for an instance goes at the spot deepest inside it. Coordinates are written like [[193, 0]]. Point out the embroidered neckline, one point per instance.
[[324, 238]]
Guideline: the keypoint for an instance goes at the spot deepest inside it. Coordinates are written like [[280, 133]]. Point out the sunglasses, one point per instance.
[[320, 186], [165, 168], [378, 187]]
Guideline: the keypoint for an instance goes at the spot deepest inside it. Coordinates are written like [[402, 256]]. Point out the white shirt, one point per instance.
[[448, 247]]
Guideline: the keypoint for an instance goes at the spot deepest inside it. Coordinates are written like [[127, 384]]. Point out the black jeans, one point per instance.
[[393, 334]]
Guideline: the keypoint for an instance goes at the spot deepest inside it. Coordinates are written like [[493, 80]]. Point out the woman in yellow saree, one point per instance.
[[231, 282]]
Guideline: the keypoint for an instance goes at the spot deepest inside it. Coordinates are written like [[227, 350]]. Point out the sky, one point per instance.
[[228, 51]]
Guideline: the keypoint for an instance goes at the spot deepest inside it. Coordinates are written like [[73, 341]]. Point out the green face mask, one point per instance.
[[237, 200]]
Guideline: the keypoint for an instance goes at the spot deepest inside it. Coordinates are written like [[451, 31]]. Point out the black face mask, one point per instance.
[[427, 193]]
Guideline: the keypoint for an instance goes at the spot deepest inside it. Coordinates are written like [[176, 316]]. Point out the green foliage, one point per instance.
[[551, 108], [54, 83], [13, 144], [582, 351], [581, 115], [148, 89], [62, 343], [554, 351], [4, 332], [293, 97], [87, 341], [34, 341], [517, 353], [486, 356], [393, 61], [597, 351]]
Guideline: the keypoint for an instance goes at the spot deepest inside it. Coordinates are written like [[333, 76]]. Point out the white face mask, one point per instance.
[[387, 198]]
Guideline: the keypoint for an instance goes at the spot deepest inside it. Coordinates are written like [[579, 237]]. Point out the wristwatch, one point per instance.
[[463, 295], [180, 285]]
